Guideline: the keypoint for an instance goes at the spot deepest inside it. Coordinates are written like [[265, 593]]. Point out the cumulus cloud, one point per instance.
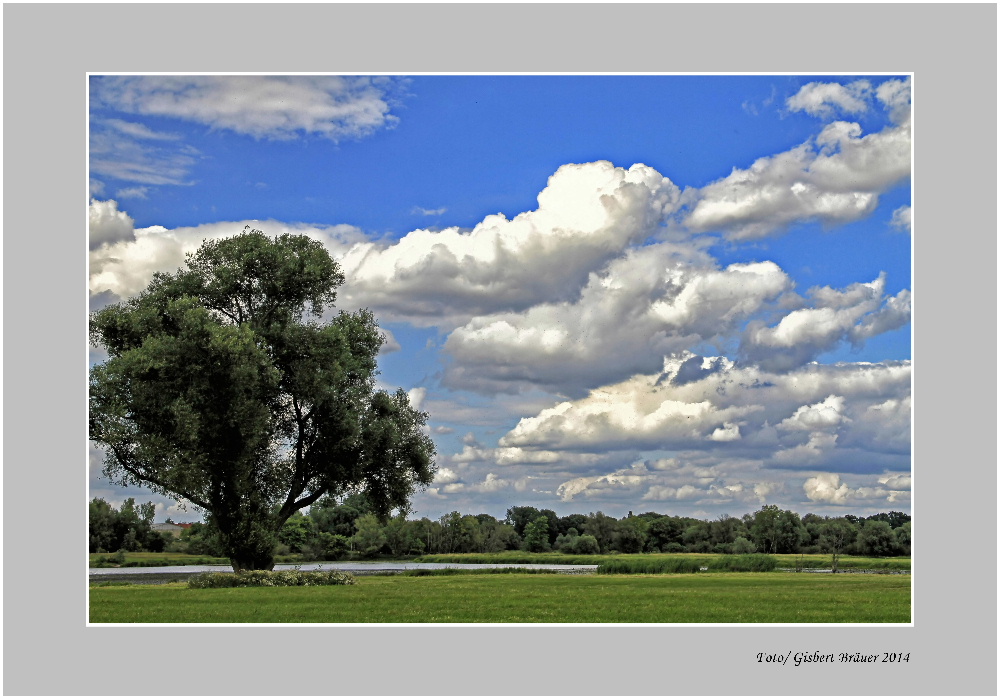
[[416, 396], [835, 177], [828, 488], [896, 481], [275, 107], [819, 416], [108, 225], [855, 315], [444, 476], [123, 261], [810, 416], [654, 300], [587, 215], [671, 481]]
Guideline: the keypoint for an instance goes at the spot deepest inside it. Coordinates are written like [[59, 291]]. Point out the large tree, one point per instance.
[[225, 386]]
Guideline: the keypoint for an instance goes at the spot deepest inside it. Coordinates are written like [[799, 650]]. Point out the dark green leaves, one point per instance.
[[224, 388]]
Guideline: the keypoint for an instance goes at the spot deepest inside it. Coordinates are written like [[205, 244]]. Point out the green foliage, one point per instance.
[[742, 545], [201, 538], [904, 538], [536, 535], [749, 563], [630, 535], [520, 517], [296, 532], [602, 528], [648, 566], [271, 578], [370, 538], [876, 538], [835, 536], [774, 530], [126, 529], [222, 387]]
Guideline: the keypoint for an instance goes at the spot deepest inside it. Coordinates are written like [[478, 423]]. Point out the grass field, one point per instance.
[[716, 598]]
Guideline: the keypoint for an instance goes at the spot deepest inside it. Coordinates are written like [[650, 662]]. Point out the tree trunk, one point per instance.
[[248, 561]]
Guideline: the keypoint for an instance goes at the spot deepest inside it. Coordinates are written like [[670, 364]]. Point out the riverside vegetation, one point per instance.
[[348, 529]]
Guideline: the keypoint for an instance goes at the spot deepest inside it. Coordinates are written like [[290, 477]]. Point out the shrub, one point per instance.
[[586, 544], [271, 578]]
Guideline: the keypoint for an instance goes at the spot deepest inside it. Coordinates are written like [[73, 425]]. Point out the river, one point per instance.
[[161, 574]]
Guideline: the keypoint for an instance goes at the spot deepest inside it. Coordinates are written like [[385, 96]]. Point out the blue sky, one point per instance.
[[681, 294]]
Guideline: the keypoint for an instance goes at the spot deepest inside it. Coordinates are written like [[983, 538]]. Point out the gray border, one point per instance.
[[48, 49]]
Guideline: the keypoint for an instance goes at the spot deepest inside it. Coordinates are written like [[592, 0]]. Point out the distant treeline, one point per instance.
[[333, 530]]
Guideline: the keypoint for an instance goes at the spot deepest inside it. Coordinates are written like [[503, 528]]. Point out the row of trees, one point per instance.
[[336, 529], [128, 528]]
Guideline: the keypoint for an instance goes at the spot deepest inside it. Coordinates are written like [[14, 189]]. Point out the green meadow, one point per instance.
[[773, 597]]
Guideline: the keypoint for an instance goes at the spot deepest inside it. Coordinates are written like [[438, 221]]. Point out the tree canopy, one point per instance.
[[225, 387]]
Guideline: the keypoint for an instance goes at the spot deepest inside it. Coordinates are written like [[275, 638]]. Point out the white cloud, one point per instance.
[[895, 96], [428, 212], [814, 452], [586, 216], [834, 178], [124, 264], [896, 481], [824, 414], [855, 314], [825, 99], [133, 193], [445, 475], [827, 487], [416, 396], [902, 219], [655, 300], [108, 225], [727, 433], [276, 107], [819, 416]]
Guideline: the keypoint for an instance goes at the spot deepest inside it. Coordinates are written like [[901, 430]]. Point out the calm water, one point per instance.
[[348, 566]]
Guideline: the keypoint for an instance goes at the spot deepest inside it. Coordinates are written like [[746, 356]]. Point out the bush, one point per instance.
[[586, 544], [271, 578]]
